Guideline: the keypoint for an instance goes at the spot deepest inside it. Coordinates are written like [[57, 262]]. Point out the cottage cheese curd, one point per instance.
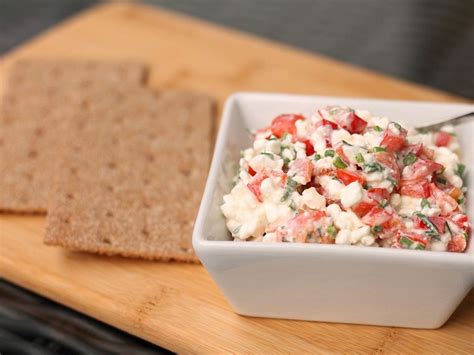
[[344, 176]]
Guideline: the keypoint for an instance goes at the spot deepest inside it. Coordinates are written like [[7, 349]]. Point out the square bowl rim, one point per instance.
[[201, 244]]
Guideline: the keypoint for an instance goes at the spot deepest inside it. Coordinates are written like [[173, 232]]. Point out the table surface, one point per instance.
[[177, 305]]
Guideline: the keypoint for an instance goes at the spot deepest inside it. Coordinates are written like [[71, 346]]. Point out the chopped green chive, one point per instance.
[[360, 158], [367, 186], [441, 180], [378, 129], [338, 163], [380, 149], [372, 167], [236, 231], [317, 157], [460, 200], [272, 138], [425, 203], [393, 181], [409, 244], [406, 242], [432, 231], [409, 159], [460, 170], [347, 143], [292, 205], [376, 229], [383, 203], [289, 188], [270, 155], [397, 125], [329, 153], [332, 231], [449, 228]]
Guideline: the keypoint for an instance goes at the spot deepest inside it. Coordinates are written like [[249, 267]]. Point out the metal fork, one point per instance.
[[453, 121]]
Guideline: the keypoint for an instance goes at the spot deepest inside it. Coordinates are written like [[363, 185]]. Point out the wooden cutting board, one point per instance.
[[175, 305]]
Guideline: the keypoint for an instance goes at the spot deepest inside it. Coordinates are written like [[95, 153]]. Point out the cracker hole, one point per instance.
[[39, 131], [32, 154], [67, 220], [109, 188], [145, 232], [119, 96], [149, 157], [70, 196], [111, 165], [57, 72], [51, 91], [85, 83], [81, 125], [106, 240], [73, 171], [29, 176], [146, 205], [45, 111], [85, 104], [109, 214], [146, 181], [184, 170]]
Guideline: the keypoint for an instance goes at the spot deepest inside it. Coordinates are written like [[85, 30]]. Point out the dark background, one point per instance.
[[427, 41]]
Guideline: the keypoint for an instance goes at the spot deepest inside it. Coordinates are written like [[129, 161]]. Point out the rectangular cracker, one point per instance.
[[132, 176], [40, 95]]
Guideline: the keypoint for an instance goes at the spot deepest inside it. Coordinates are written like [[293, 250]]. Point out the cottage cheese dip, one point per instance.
[[343, 176]]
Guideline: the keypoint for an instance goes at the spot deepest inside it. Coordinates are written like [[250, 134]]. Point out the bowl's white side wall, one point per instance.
[[338, 286]]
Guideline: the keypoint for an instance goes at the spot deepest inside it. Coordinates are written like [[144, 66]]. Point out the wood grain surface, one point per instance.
[[176, 305]]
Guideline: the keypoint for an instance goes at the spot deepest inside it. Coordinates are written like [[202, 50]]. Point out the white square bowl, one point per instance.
[[332, 283]]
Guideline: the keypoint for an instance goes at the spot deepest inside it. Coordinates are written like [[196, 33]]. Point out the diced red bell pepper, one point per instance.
[[378, 194], [457, 244], [302, 167], [442, 139], [255, 182], [285, 124], [364, 207], [418, 188], [308, 146], [347, 176], [377, 216], [394, 141]]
